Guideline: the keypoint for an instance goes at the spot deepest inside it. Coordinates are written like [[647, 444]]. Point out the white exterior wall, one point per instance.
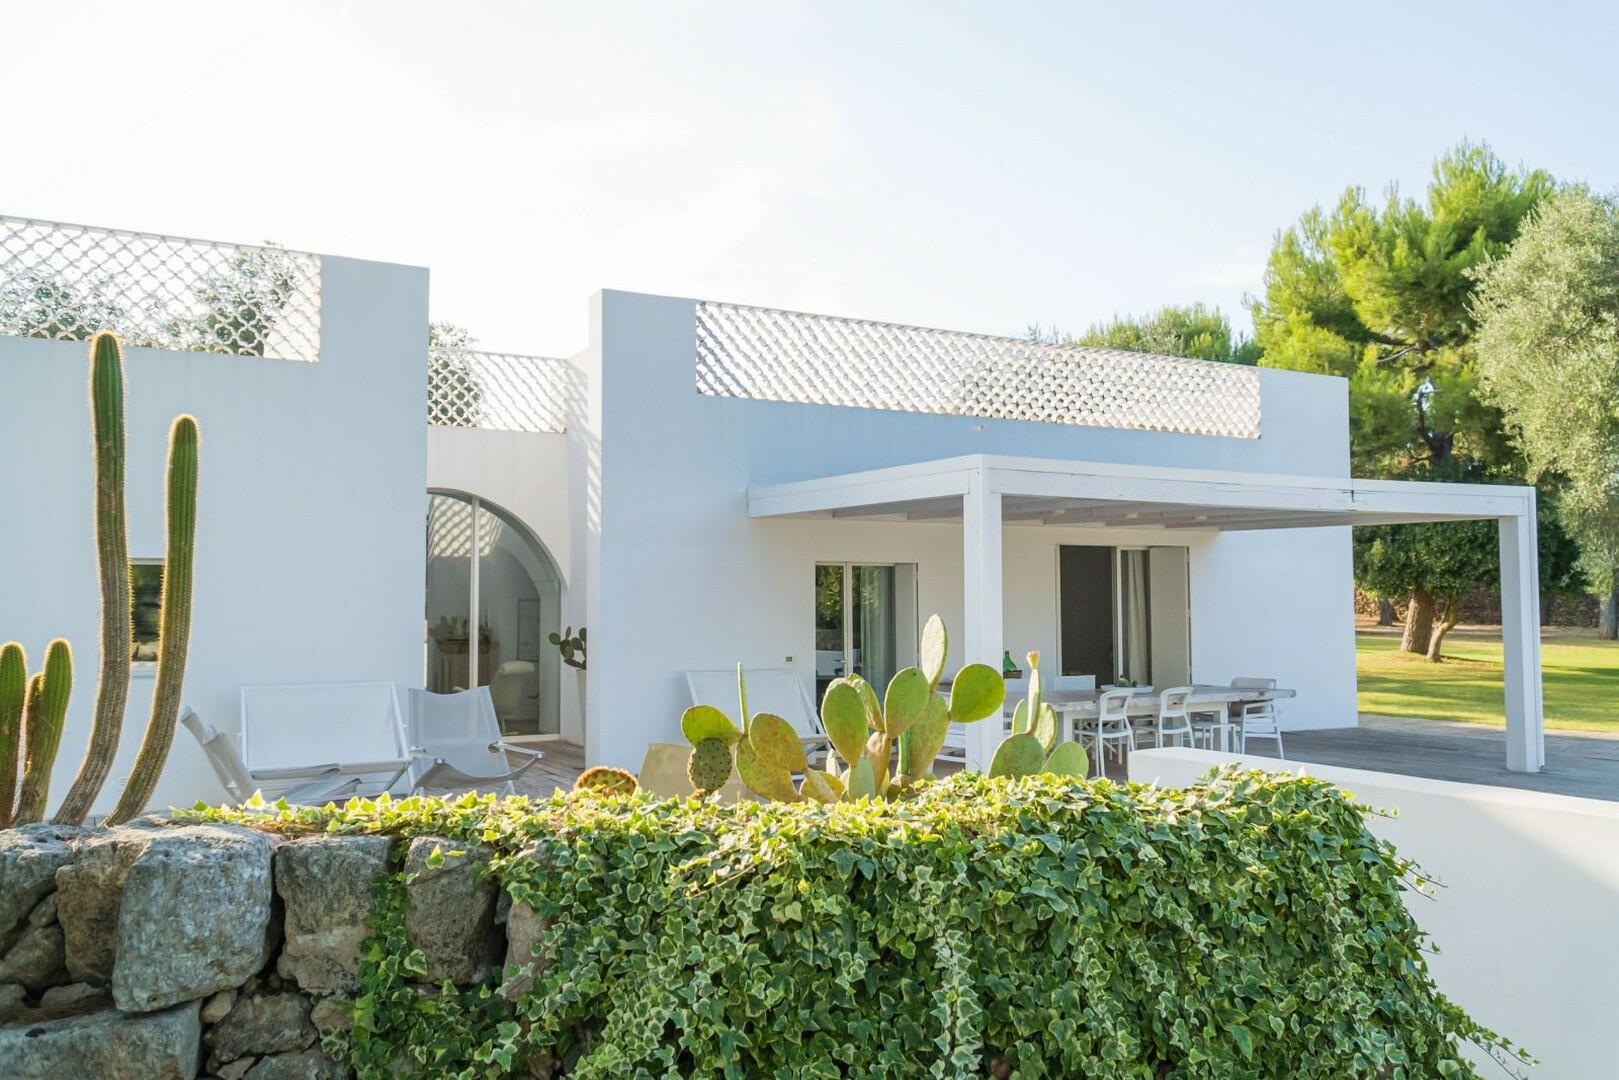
[[309, 511], [679, 577], [1524, 916], [527, 475]]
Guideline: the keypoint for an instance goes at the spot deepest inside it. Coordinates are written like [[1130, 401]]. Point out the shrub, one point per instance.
[[1039, 927]]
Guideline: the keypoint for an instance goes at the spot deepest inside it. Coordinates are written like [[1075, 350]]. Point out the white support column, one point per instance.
[[1520, 641], [981, 563]]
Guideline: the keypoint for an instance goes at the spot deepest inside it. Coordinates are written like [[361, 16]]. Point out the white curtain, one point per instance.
[[874, 624], [1135, 631]]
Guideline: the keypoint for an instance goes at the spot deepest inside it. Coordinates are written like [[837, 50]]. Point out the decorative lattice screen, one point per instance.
[[70, 281], [774, 355], [497, 391]]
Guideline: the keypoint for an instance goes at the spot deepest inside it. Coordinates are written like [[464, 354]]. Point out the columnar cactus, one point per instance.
[[174, 620], [112, 556], [48, 694], [13, 698]]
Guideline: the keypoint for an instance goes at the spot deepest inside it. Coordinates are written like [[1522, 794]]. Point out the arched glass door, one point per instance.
[[494, 597]]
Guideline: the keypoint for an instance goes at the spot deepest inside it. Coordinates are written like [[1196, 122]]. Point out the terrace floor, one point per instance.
[[1586, 765]]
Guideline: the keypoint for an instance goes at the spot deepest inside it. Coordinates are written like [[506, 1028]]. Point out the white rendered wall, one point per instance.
[[1524, 920], [527, 475], [679, 577], [309, 517]]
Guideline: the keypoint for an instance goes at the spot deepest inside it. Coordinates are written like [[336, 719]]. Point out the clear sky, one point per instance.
[[978, 166]]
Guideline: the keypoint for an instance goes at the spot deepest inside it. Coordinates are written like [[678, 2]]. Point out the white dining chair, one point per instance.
[[1257, 718], [1112, 725], [1174, 719]]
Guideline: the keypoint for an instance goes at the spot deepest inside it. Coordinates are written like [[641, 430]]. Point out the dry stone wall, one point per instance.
[[162, 951]]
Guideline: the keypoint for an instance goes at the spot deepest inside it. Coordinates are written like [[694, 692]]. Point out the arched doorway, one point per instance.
[[486, 571]]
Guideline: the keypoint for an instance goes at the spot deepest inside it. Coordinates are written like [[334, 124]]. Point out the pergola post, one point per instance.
[[1520, 641], [981, 601]]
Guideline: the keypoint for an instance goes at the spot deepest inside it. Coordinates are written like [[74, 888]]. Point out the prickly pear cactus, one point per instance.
[[709, 767], [881, 747], [607, 780]]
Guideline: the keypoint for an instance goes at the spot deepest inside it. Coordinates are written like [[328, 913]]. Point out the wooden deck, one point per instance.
[[1586, 765], [562, 763]]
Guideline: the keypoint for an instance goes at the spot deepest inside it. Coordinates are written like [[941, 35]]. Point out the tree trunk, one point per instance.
[[1385, 612], [1608, 622], [1453, 612], [1418, 623]]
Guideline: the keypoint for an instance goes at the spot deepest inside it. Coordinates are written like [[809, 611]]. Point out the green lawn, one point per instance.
[[1581, 678]]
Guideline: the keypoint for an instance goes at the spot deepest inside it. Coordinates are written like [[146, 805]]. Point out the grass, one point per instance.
[[1580, 675]]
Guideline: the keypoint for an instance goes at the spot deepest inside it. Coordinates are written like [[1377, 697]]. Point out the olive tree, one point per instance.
[[1547, 314]]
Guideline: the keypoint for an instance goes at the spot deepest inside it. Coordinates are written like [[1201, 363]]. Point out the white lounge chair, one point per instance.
[[291, 732], [770, 690], [455, 743], [324, 783]]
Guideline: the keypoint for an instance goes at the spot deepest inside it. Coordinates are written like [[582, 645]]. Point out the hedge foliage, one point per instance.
[[1044, 927]]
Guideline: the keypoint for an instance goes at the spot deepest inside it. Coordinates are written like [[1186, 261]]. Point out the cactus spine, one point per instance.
[[112, 556], [13, 698], [174, 620], [47, 710]]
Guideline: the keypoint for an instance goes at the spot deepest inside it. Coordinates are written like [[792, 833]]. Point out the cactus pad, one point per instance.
[[776, 742], [607, 781], [843, 716], [905, 701], [1046, 727], [818, 788], [1019, 755], [926, 738], [978, 692], [702, 722], [709, 766], [763, 780], [1069, 759], [935, 648]]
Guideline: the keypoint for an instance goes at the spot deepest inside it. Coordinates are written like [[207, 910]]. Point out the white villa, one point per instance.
[[702, 484]]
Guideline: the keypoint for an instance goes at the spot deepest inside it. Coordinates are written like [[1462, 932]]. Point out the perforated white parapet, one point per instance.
[[496, 391], [70, 281], [773, 355]]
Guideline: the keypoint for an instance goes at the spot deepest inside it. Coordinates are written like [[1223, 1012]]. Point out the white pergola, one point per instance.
[[986, 492]]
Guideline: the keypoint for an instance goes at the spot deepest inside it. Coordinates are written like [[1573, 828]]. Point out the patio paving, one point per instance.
[[1586, 765]]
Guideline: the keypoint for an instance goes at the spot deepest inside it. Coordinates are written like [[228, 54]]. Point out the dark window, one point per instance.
[[146, 590], [1085, 581]]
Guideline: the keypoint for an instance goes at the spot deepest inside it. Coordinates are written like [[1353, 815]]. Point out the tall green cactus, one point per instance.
[[13, 697], [112, 556], [174, 620], [48, 694]]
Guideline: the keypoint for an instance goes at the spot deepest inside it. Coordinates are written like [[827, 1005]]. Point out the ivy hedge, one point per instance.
[[1249, 925]]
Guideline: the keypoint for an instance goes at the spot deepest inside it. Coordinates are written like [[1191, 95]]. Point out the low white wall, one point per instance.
[[679, 577], [310, 549], [1526, 919]]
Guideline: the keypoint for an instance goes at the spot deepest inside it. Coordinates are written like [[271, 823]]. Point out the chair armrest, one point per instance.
[[305, 772], [520, 751]]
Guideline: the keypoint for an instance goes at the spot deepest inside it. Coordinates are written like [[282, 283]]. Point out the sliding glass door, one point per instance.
[[1123, 614], [865, 622]]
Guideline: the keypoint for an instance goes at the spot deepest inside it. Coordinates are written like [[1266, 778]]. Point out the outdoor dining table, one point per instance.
[[1077, 707]]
